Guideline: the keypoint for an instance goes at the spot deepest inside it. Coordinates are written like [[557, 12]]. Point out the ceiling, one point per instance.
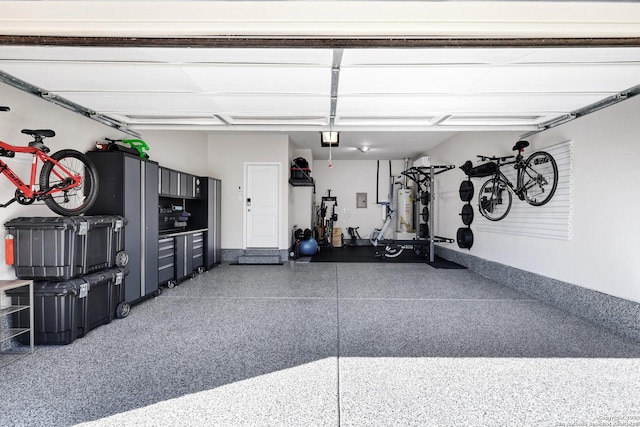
[[399, 99], [399, 102]]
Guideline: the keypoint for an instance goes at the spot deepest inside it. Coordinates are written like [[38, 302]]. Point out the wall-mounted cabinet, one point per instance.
[[172, 183]]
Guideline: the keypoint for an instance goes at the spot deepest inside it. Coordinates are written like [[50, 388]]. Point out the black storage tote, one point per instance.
[[57, 248], [69, 309]]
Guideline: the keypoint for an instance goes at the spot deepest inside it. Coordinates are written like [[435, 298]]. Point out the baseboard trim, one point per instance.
[[616, 314]]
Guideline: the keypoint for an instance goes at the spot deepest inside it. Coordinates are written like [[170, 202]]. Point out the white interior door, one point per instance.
[[261, 204]]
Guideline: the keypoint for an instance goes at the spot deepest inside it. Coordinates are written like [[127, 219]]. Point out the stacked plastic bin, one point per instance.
[[78, 266]]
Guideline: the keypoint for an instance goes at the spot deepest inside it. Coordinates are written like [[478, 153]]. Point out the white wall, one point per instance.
[[604, 251], [29, 112], [348, 177], [185, 151], [228, 153]]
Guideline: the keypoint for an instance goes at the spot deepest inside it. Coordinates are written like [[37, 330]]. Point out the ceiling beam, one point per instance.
[[65, 103], [327, 19], [592, 108], [335, 79], [311, 42]]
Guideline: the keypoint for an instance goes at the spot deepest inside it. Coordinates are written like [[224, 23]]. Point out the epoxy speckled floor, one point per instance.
[[315, 344]]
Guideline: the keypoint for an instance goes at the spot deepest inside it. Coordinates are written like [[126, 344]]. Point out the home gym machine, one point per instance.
[[324, 232], [423, 197]]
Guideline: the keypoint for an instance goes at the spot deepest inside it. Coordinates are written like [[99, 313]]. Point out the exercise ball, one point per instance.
[[308, 247]]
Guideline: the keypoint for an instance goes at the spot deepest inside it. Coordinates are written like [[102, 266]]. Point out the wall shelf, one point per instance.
[[302, 182]]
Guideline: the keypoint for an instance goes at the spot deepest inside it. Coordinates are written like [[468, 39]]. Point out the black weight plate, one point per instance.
[[425, 198], [466, 191], [464, 238], [425, 214], [424, 230], [467, 214]]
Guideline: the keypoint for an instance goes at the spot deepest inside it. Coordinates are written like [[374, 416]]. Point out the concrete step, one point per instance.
[[262, 252], [259, 259]]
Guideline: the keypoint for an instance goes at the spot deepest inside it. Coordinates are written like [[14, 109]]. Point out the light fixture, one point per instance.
[[330, 138], [364, 148]]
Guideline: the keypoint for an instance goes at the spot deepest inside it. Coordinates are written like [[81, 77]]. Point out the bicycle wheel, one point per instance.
[[539, 178], [74, 201], [494, 199]]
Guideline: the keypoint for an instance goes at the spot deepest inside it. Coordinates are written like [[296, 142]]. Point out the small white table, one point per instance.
[[8, 351]]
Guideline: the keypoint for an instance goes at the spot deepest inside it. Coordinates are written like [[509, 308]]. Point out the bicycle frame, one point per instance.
[[518, 189], [39, 156]]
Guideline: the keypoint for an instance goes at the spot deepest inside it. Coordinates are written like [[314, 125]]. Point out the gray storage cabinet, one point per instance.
[[188, 254], [129, 187], [181, 256], [166, 260], [207, 212], [213, 251]]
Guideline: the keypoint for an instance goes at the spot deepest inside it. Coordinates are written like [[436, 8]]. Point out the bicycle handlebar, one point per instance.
[[5, 108], [494, 158]]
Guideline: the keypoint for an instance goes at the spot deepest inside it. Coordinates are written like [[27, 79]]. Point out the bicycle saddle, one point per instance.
[[46, 133], [520, 145]]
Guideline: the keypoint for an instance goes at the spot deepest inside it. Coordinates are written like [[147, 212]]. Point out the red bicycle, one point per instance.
[[68, 181]]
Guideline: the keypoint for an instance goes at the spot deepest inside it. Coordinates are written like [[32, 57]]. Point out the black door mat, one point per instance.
[[371, 254], [256, 263]]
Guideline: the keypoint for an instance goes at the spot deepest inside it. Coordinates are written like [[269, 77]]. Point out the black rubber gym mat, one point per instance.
[[372, 254]]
